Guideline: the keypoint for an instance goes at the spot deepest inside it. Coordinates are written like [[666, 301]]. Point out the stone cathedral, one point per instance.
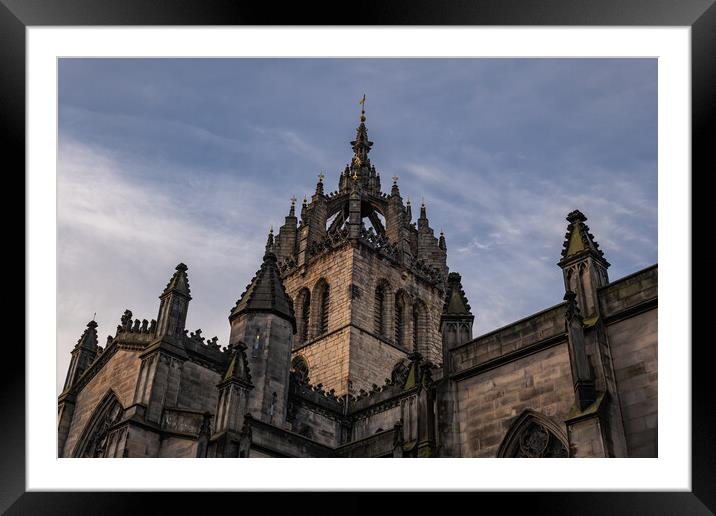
[[353, 339]]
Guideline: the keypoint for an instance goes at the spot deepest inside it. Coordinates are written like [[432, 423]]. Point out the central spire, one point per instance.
[[361, 146]]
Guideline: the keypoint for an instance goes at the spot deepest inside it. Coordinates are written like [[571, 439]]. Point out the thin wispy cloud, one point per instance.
[[168, 161]]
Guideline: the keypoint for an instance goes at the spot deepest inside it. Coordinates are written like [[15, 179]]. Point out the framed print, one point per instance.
[[435, 236]]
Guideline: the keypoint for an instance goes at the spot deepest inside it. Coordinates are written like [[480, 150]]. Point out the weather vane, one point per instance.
[[362, 103]]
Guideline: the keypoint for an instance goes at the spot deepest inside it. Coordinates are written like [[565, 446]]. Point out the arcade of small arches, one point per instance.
[[398, 318]]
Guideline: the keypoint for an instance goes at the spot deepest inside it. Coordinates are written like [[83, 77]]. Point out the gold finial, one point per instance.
[[355, 175], [357, 161], [362, 110]]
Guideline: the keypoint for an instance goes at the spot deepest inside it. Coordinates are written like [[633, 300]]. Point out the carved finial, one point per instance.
[[362, 111], [269, 240], [321, 176], [572, 308], [395, 180]]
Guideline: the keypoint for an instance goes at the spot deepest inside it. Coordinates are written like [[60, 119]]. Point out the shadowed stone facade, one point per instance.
[[353, 339]]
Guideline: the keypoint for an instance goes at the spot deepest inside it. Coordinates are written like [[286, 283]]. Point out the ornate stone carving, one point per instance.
[[535, 441]]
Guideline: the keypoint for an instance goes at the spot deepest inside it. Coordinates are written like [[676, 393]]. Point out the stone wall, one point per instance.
[[373, 423], [328, 360], [120, 375], [634, 352], [629, 291], [178, 447], [371, 360], [316, 426], [197, 389], [489, 402], [541, 326]]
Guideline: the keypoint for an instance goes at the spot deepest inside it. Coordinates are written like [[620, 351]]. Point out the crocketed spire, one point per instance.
[[579, 241], [455, 301], [88, 340], [179, 282], [238, 369], [266, 293]]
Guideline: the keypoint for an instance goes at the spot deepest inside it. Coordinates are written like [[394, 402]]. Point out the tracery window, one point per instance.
[[299, 367], [94, 441], [533, 436]]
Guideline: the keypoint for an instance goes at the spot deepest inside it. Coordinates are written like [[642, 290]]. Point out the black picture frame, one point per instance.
[[700, 15]]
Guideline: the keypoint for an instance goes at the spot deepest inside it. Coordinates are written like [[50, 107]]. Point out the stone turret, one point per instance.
[[583, 264], [84, 352], [288, 234], [234, 391], [263, 321], [457, 319], [163, 359], [174, 305]]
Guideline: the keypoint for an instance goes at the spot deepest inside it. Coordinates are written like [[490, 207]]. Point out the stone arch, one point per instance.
[[300, 368], [534, 435], [382, 308], [303, 315], [320, 310], [94, 439]]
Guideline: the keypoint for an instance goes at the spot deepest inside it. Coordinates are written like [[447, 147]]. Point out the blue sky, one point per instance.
[[164, 161]]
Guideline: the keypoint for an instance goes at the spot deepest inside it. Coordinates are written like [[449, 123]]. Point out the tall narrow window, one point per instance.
[[416, 325], [325, 305], [399, 320], [304, 307], [379, 309]]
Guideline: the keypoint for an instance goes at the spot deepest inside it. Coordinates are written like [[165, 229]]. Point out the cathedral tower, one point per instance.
[[367, 284]]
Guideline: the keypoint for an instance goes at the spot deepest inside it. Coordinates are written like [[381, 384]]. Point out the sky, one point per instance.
[[162, 161]]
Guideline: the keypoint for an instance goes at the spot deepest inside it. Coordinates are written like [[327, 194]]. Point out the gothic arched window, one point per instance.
[[324, 303], [303, 307], [380, 308], [400, 316], [420, 327], [95, 438], [299, 367], [534, 436]]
